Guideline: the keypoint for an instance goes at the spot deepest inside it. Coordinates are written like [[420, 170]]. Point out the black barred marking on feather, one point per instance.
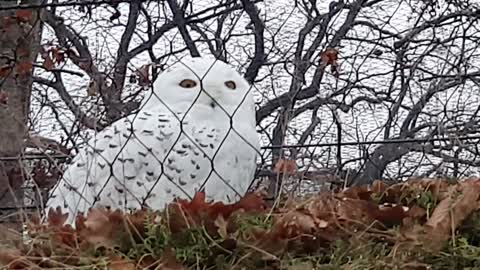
[[181, 152], [150, 173], [80, 164], [111, 145], [148, 132], [130, 177], [181, 182], [142, 154], [98, 150], [147, 113], [170, 160], [107, 136], [166, 135], [193, 176], [143, 118]]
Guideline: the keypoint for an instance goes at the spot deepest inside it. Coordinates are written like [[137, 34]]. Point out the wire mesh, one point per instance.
[[346, 94]]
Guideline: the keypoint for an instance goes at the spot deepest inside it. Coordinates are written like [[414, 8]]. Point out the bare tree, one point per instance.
[[19, 45]]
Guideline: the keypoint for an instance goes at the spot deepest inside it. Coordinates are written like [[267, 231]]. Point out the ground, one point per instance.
[[418, 224]]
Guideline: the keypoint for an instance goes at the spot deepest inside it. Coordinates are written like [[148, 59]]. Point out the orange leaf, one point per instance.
[[56, 218]]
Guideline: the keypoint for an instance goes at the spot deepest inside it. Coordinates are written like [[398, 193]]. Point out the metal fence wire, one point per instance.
[[122, 112]]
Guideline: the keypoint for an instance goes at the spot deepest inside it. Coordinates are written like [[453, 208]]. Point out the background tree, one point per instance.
[[19, 45]]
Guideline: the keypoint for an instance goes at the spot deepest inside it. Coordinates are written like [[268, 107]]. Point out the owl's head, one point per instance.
[[203, 83]]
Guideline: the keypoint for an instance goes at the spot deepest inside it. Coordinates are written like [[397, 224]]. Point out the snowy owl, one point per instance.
[[194, 131]]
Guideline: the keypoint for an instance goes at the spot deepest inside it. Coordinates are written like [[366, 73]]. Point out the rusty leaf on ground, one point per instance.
[[118, 263], [461, 201], [103, 227]]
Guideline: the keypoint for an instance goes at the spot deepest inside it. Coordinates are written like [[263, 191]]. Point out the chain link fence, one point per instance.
[[337, 93]]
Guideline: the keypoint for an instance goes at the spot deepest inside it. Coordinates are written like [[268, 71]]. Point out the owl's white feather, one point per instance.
[[181, 141]]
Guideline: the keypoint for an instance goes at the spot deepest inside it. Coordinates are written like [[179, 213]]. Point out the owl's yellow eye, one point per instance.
[[187, 83], [230, 84]]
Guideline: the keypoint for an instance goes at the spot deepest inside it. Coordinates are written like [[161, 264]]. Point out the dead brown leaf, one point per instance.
[[143, 74], [286, 166], [24, 15], [121, 264], [449, 214]]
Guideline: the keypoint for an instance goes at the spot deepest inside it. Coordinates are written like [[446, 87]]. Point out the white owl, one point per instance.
[[194, 131]]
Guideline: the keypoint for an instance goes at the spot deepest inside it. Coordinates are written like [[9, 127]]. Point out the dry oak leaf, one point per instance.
[[462, 200], [56, 218], [286, 166], [103, 227], [118, 263], [13, 259]]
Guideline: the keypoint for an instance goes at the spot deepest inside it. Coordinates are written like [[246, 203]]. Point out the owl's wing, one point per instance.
[[104, 172]]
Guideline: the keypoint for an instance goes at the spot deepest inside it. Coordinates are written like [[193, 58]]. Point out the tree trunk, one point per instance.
[[20, 33]]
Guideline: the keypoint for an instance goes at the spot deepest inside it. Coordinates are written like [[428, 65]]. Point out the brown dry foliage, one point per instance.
[[305, 226]]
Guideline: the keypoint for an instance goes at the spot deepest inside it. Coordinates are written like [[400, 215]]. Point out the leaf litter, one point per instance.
[[417, 224]]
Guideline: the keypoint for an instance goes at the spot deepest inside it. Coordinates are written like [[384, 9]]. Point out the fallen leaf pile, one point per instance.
[[409, 225]]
